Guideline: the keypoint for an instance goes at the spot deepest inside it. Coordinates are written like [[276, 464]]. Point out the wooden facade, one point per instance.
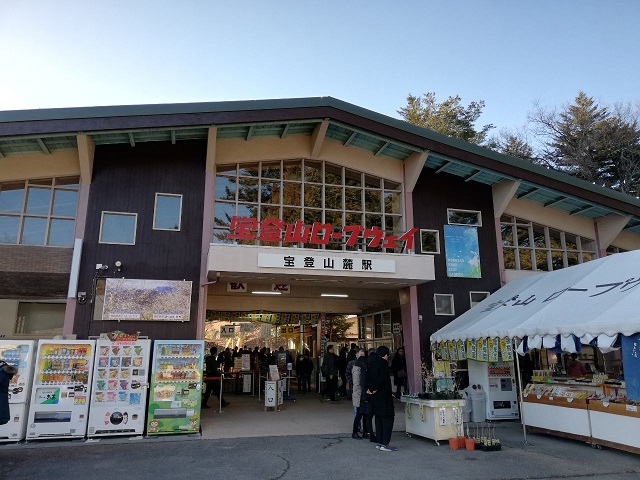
[[126, 179]]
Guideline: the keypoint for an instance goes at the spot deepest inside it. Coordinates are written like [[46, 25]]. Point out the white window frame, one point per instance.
[[472, 303], [155, 206], [479, 214], [435, 304], [135, 227], [437, 232]]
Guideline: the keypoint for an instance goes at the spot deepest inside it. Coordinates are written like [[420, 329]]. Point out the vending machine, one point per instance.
[[61, 385], [498, 380], [119, 387], [176, 387], [20, 354]]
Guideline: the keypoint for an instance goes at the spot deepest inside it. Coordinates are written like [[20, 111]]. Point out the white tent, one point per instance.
[[598, 299]]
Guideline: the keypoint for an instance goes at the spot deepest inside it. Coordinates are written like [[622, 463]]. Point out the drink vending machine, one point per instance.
[[119, 391], [498, 380], [61, 388], [20, 354], [176, 387]]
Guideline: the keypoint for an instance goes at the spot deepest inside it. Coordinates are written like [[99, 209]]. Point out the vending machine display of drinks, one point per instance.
[[119, 387], [176, 387], [60, 394], [498, 380], [20, 354]]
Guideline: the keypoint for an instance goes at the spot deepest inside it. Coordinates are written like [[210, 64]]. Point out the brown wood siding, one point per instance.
[[126, 179], [434, 193]]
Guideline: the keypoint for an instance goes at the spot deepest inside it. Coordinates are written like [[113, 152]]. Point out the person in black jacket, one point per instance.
[[329, 371], [212, 369], [379, 387], [6, 374], [399, 370], [304, 369], [366, 405]]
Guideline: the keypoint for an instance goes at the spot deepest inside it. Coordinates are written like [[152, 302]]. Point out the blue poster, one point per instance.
[[462, 251]]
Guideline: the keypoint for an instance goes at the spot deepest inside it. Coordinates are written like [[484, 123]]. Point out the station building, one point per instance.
[[288, 211]]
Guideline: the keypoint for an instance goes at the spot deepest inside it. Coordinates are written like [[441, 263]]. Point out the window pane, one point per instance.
[[311, 216], [393, 223], [525, 259], [168, 211], [223, 213], [539, 239], [509, 258], [392, 202], [388, 185], [353, 219], [334, 218], [572, 258], [352, 178], [33, 231], [41, 318], [587, 256], [38, 201], [11, 195], [429, 241], [312, 172], [292, 194], [333, 197], [68, 182], [271, 170], [248, 190], [444, 304], [220, 235], [371, 181], [554, 238], [523, 237], [269, 212], [65, 203], [9, 229], [250, 211], [570, 242], [377, 322], [373, 220], [61, 233], [248, 170], [463, 217], [312, 196], [507, 235], [291, 215], [372, 201], [541, 260], [227, 169], [270, 192], [41, 181], [556, 260], [332, 174], [292, 170], [118, 228], [353, 199], [225, 188]]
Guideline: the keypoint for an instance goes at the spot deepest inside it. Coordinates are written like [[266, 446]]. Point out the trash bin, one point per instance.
[[478, 404]]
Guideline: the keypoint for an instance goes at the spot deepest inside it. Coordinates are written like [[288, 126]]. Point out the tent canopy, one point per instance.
[[597, 298]]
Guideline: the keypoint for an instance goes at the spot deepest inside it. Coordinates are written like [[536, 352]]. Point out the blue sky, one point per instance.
[[372, 53]]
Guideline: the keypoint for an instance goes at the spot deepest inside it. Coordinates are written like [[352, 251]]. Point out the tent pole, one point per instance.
[[524, 428]]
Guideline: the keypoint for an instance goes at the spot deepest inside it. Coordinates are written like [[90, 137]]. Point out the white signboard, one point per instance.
[[273, 372], [331, 263], [281, 288], [236, 287], [246, 383], [227, 331], [265, 330], [246, 327], [395, 328], [271, 394], [246, 361]]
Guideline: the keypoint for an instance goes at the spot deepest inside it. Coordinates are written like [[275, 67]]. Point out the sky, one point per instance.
[[509, 53]]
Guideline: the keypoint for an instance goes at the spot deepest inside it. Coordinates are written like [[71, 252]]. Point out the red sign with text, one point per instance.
[[275, 230]]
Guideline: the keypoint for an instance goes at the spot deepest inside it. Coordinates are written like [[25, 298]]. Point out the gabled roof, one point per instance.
[[50, 130]]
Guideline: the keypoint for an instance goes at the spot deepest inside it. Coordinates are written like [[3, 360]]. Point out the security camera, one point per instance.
[[82, 298]]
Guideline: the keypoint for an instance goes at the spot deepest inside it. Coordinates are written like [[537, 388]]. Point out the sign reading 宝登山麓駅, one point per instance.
[[345, 263]]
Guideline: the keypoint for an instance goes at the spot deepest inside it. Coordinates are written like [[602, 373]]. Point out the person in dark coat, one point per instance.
[[379, 388], [6, 374], [212, 369], [329, 371], [304, 369], [342, 370], [399, 370], [366, 405]]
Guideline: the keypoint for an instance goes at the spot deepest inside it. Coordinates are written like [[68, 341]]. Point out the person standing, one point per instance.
[[342, 371], [6, 374], [379, 386], [304, 369], [366, 404], [575, 367], [212, 369], [358, 370], [399, 369], [329, 370]]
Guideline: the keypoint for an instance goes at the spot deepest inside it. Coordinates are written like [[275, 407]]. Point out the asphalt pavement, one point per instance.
[[313, 457]]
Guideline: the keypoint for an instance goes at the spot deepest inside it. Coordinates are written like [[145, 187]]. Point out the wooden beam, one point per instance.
[[555, 202], [212, 141], [381, 149], [472, 176], [86, 152], [443, 167], [350, 139], [318, 137], [503, 193], [284, 130], [581, 210], [413, 165], [250, 133], [132, 141], [173, 137], [530, 192], [43, 147]]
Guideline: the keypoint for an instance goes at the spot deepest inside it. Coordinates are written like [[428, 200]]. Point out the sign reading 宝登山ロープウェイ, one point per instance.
[[132, 299], [344, 262], [462, 251], [275, 230]]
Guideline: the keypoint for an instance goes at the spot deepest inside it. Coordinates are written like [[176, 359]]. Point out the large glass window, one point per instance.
[[39, 318], [307, 190], [530, 246], [39, 212], [118, 227], [168, 212]]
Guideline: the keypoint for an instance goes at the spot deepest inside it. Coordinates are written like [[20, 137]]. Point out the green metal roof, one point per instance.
[[403, 140]]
